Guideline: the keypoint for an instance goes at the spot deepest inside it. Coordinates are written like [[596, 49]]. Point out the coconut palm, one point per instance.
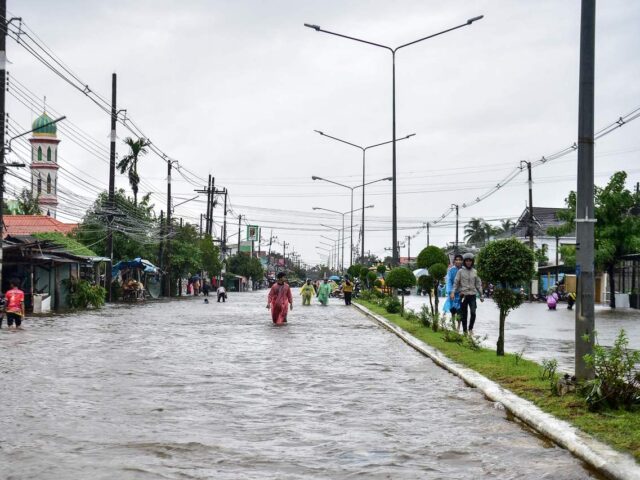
[[129, 163], [507, 226], [475, 232], [490, 231]]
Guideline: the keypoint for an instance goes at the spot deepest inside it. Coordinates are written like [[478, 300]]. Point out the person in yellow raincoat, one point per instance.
[[307, 291]]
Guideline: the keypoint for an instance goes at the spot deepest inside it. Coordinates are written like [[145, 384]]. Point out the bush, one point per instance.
[[435, 322], [367, 295], [82, 294], [454, 336], [617, 383], [411, 316], [473, 342], [393, 305], [425, 316]]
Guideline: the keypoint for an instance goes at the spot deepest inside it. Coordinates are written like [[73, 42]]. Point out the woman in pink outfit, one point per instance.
[[280, 300]]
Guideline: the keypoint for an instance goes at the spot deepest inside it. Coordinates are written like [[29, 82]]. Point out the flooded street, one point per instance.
[[185, 390], [547, 334]]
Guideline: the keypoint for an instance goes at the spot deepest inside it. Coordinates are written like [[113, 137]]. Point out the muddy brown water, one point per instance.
[[186, 390]]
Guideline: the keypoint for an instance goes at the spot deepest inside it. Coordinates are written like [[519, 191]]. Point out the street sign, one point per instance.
[[253, 233]]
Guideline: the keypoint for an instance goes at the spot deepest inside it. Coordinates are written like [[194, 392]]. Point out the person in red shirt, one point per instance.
[[15, 306]]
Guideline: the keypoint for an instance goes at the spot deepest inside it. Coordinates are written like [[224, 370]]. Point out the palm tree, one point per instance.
[[507, 225], [129, 163], [490, 231], [475, 231]]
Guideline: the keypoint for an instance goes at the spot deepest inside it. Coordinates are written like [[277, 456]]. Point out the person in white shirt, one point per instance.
[[222, 294]]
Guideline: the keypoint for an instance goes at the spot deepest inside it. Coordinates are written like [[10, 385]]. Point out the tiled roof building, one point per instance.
[[30, 224]]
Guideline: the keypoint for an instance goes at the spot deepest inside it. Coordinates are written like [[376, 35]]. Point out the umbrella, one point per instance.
[[421, 272], [335, 278]]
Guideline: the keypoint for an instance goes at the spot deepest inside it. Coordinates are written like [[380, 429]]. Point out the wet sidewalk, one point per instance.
[[546, 334], [185, 390]]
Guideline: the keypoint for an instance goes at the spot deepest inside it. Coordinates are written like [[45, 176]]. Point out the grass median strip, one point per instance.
[[619, 428]]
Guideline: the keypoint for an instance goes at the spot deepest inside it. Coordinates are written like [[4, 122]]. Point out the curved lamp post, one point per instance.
[[352, 210], [364, 152], [343, 214], [393, 50]]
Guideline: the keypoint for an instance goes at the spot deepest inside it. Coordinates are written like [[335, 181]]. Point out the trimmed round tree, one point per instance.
[[435, 260], [354, 270], [371, 278], [401, 278], [507, 264]]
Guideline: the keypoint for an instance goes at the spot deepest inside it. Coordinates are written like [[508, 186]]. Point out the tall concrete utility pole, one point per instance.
[[284, 255], [585, 215], [169, 230], [455, 249], [408, 239], [209, 213], [239, 228], [224, 227], [161, 250], [3, 74], [530, 219], [428, 225], [213, 203], [112, 185], [3, 148]]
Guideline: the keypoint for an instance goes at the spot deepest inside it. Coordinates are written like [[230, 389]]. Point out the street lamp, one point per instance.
[[343, 214], [336, 243], [393, 51], [364, 152], [352, 210], [328, 252]]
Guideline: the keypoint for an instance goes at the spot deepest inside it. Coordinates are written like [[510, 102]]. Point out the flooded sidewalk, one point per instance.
[[541, 333], [187, 390]]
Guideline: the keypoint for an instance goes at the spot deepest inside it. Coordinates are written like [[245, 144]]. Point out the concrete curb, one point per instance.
[[607, 461]]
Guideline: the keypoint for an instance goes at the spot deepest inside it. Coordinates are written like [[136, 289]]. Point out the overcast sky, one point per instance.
[[236, 88]]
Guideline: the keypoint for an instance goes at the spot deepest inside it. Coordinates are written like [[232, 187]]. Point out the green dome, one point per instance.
[[40, 130]]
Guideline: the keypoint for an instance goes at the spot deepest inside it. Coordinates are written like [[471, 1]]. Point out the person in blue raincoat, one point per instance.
[[453, 306]]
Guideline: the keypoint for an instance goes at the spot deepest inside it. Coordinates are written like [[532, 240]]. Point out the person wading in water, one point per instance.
[[280, 300]]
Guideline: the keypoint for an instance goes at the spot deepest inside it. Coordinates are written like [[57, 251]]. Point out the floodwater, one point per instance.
[[187, 390], [540, 333]]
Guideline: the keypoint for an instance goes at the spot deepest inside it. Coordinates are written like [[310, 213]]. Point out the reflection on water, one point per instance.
[[184, 390]]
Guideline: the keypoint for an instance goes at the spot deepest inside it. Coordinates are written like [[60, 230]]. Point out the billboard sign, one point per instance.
[[253, 233]]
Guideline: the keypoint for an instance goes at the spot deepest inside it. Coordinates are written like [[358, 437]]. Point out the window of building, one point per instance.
[[49, 183], [39, 185], [39, 154], [48, 154]]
